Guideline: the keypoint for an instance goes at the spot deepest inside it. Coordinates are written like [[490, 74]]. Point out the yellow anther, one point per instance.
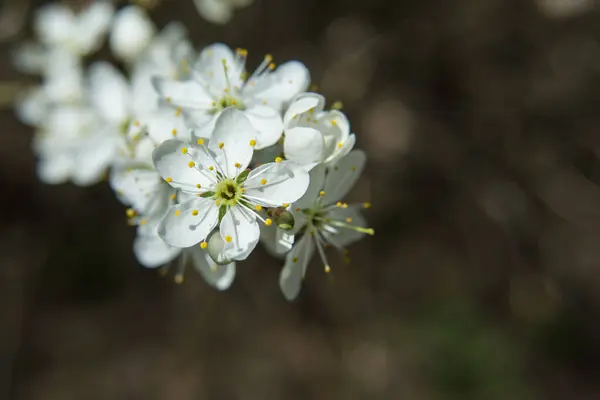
[[178, 279], [348, 220], [252, 143], [367, 204], [263, 181], [340, 145], [314, 87], [268, 58], [295, 259], [178, 112], [198, 185], [221, 145], [327, 269], [337, 105], [168, 99], [177, 212], [174, 132], [218, 202], [242, 52], [285, 205], [322, 193], [278, 159], [173, 196], [271, 66], [194, 212], [233, 102], [333, 122], [130, 212], [312, 110], [210, 168], [242, 190], [347, 260], [168, 179], [203, 245], [228, 239], [264, 102], [297, 209], [200, 142], [268, 222], [237, 165], [258, 207], [345, 205], [184, 150], [353, 168], [137, 123], [338, 204], [191, 164]]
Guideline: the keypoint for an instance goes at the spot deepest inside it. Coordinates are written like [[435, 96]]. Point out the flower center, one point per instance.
[[228, 191], [227, 101]]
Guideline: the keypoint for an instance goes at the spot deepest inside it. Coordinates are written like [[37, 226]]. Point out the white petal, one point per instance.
[[286, 182], [152, 252], [215, 11], [95, 155], [181, 228], [210, 71], [296, 261], [131, 33], [185, 94], [30, 57], [317, 181], [230, 140], [171, 162], [242, 229], [282, 85], [303, 145], [54, 23], [109, 92], [134, 185], [202, 123], [276, 241], [64, 81], [345, 237], [163, 125], [343, 176], [92, 24], [32, 107], [301, 104], [55, 170], [268, 124], [218, 276], [346, 148]]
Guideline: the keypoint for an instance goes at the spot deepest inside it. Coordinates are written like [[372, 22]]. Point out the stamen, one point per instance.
[[177, 212], [174, 132], [203, 245], [268, 222], [278, 159], [228, 239], [184, 150], [195, 212], [252, 143]]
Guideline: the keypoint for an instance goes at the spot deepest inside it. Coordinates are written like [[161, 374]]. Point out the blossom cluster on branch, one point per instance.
[[208, 158]]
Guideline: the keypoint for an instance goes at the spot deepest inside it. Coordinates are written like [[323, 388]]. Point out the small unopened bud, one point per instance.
[[284, 220], [215, 247]]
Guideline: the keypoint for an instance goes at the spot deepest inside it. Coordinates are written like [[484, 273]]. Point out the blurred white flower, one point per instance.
[[222, 192], [57, 25], [322, 219], [313, 135], [219, 11], [219, 81], [131, 33]]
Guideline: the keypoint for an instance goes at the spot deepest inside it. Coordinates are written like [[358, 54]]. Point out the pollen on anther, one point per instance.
[[285, 205], [367, 205], [198, 185], [337, 105], [178, 112], [228, 239], [143, 221], [177, 212], [221, 145], [278, 159], [295, 259], [210, 168], [184, 150], [203, 245], [191, 164], [173, 196], [268, 222], [168, 99], [178, 279], [271, 66], [353, 168], [258, 207], [194, 212], [174, 132], [137, 123], [338, 204], [297, 209], [322, 193], [333, 122], [268, 58], [340, 145], [263, 181], [200, 142], [327, 269], [348, 220], [237, 165], [168, 179], [252, 143], [130, 212]]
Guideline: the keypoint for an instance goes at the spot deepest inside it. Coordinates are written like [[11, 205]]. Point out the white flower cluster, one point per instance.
[[210, 159]]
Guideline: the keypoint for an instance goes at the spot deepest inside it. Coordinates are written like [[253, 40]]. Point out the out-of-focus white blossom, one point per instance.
[[131, 33], [219, 80], [219, 11]]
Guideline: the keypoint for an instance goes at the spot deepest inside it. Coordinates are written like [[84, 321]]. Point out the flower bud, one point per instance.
[[284, 220], [215, 248]]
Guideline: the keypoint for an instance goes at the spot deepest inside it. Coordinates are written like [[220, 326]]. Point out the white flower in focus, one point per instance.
[[313, 135], [219, 80], [131, 33], [219, 11], [57, 25], [224, 192], [322, 219]]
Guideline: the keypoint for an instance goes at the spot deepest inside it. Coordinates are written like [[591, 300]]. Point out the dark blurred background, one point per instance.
[[482, 122]]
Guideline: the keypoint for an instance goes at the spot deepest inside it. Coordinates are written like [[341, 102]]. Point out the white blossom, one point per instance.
[[322, 219], [219, 80], [131, 33], [223, 193], [219, 11]]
